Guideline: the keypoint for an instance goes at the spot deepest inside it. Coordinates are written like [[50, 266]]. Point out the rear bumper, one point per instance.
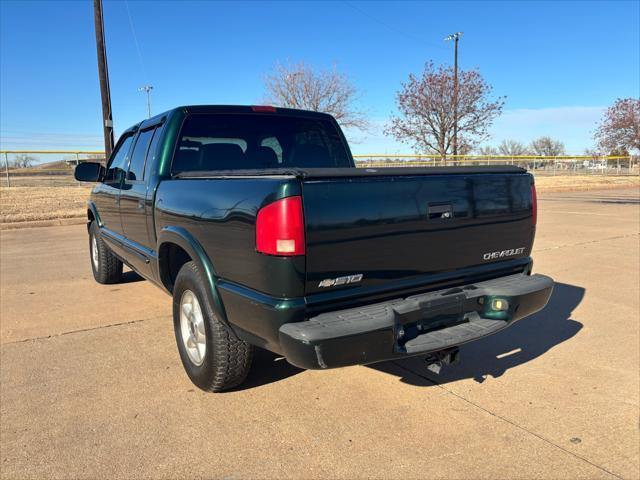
[[417, 325]]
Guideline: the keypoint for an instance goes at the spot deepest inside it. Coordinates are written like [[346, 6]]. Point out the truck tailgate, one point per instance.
[[387, 228]]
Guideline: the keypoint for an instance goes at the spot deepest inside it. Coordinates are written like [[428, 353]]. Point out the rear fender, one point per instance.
[[189, 244]]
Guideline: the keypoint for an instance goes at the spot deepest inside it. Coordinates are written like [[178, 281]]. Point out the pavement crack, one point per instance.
[[506, 420], [577, 244], [81, 330]]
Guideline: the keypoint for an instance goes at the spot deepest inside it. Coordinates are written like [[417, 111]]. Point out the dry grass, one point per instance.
[[43, 198], [558, 183], [41, 181], [51, 197], [60, 166]]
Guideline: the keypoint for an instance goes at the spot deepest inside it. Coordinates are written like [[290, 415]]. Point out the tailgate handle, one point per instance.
[[440, 211]]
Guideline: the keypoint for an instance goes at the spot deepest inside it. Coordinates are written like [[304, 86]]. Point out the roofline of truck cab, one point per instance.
[[178, 114], [250, 109]]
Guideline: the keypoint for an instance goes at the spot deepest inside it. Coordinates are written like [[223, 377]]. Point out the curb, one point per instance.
[[44, 223]]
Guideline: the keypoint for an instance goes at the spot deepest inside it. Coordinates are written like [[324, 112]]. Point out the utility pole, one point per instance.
[[103, 73], [455, 37], [147, 88]]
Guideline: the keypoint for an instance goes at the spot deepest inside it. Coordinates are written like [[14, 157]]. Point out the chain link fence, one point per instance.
[[565, 165], [23, 167]]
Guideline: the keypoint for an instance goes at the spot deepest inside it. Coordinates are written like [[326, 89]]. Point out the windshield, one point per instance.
[[257, 141]]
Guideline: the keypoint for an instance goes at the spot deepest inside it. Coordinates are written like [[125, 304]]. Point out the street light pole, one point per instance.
[[103, 73], [455, 37], [147, 88]]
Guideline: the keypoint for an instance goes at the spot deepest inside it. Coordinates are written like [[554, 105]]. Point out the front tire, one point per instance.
[[214, 359], [106, 267]]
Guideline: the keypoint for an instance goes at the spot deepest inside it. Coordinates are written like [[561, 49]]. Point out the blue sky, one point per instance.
[[558, 63]]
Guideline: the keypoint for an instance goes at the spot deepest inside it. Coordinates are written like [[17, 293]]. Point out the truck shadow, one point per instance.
[[268, 367], [494, 355], [130, 277]]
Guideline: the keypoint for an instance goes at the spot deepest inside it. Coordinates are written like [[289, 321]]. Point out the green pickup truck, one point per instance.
[[258, 224]]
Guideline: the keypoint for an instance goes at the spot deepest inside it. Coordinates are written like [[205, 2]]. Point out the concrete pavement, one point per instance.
[[91, 384]]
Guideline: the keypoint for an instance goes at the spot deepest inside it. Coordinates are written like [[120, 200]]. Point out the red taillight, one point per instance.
[[263, 108], [280, 228], [534, 205]]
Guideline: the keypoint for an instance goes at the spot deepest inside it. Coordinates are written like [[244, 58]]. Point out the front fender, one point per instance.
[[91, 206], [189, 244]]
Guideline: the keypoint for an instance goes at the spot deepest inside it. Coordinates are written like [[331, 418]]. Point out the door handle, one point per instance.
[[140, 204], [440, 211]]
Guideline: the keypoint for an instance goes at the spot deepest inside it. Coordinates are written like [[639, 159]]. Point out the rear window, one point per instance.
[[255, 141]]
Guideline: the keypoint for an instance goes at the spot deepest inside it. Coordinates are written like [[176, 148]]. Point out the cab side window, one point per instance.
[[118, 166], [136, 167]]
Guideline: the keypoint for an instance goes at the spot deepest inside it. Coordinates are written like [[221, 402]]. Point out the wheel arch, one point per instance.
[[176, 246], [92, 215]]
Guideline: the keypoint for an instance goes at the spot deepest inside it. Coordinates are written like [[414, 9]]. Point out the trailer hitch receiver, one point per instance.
[[436, 360]]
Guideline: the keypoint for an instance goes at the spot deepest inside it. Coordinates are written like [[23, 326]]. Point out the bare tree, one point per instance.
[[426, 115], [592, 152], [619, 129], [23, 160], [512, 148], [487, 151], [547, 147], [465, 148], [329, 91]]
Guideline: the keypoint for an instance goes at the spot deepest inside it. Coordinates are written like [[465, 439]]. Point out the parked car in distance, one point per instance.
[[258, 224]]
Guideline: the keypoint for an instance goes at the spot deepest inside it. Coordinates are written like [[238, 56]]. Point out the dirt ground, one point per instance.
[[91, 384], [561, 183]]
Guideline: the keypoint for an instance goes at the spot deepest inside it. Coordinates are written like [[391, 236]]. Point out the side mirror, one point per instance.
[[88, 172]]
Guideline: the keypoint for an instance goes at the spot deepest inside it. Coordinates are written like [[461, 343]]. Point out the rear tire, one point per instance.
[[106, 267], [214, 359]]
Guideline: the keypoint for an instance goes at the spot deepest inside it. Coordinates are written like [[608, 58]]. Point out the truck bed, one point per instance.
[[396, 227]]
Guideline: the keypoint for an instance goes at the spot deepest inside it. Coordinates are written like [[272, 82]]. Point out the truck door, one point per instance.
[[135, 201], [107, 194]]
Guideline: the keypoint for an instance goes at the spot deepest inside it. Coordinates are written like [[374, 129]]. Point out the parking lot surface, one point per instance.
[[91, 384]]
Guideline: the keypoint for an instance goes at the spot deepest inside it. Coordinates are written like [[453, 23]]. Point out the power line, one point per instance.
[[145, 88], [135, 40], [391, 27]]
